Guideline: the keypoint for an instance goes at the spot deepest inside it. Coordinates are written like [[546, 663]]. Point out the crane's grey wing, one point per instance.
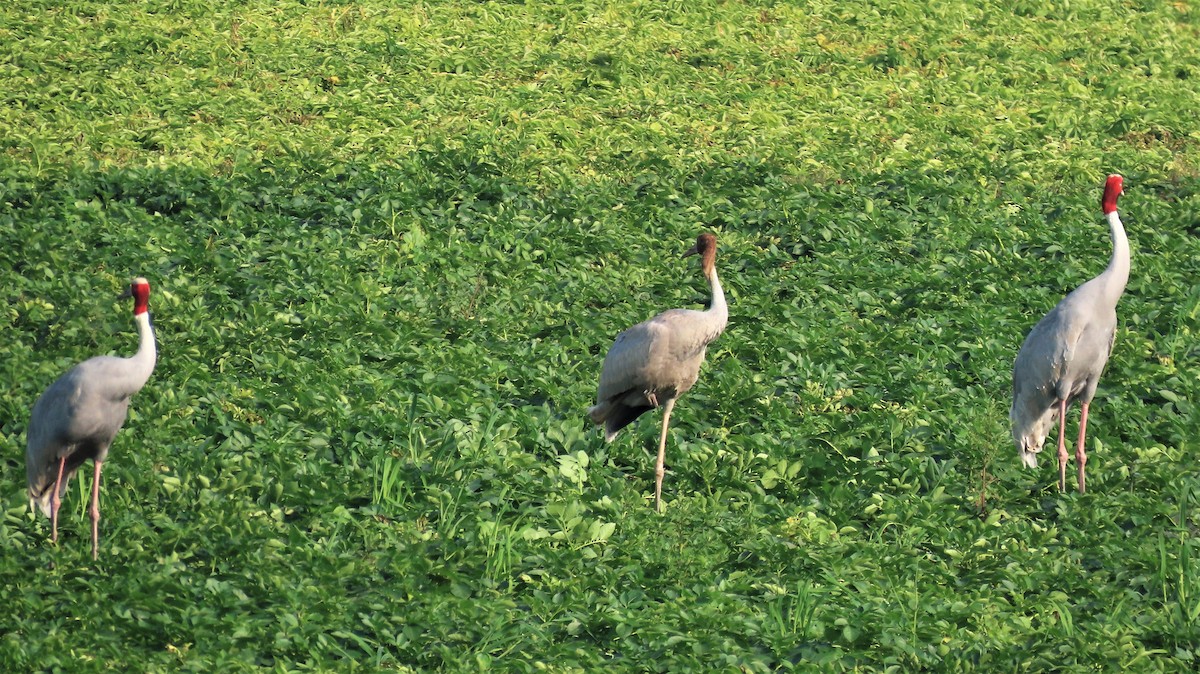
[[627, 381], [48, 438], [1048, 352], [1090, 331], [76, 417], [1061, 359], [1091, 354], [1039, 367], [90, 403], [626, 365], [51, 421]]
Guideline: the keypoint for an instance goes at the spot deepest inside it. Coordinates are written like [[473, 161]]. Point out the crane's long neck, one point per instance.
[[1117, 274], [718, 310], [141, 364]]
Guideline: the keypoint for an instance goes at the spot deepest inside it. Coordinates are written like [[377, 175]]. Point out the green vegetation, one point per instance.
[[390, 244]]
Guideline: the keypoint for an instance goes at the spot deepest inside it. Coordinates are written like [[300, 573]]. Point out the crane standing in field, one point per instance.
[[657, 360], [78, 416], [1065, 353]]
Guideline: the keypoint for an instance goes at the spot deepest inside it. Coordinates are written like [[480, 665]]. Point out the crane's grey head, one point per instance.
[[1113, 188], [139, 290], [706, 248]]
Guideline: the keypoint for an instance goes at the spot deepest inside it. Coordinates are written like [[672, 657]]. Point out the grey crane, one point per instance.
[[1065, 353], [658, 360], [78, 416]]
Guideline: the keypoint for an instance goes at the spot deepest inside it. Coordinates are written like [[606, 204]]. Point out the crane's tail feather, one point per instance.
[[1029, 430], [40, 505], [41, 500], [1029, 458], [615, 416], [598, 412], [41, 495]]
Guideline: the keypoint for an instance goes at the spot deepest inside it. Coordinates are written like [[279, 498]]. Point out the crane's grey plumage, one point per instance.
[[656, 361], [78, 416], [1065, 353]]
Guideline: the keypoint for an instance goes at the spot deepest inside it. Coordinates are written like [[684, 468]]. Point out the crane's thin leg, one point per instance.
[[96, 511], [56, 500], [1062, 445], [662, 454], [1080, 452]]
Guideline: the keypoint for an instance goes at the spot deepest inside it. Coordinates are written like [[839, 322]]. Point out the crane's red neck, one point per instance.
[[1112, 190], [140, 289]]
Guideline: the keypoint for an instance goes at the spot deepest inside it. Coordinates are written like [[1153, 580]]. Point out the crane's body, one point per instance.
[[654, 362], [79, 415], [1064, 355]]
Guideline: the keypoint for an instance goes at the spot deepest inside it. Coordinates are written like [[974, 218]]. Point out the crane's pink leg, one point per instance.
[[1080, 452], [1062, 445], [56, 500], [96, 511], [662, 454]]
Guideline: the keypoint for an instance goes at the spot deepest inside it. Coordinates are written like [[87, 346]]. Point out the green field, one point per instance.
[[391, 243]]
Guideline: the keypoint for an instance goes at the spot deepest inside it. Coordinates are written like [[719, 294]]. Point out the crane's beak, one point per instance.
[[127, 294], [694, 250]]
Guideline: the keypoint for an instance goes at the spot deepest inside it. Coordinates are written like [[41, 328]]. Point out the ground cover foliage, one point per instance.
[[389, 246]]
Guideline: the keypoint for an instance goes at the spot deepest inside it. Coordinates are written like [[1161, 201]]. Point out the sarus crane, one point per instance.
[[654, 362], [1065, 353], [78, 416]]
